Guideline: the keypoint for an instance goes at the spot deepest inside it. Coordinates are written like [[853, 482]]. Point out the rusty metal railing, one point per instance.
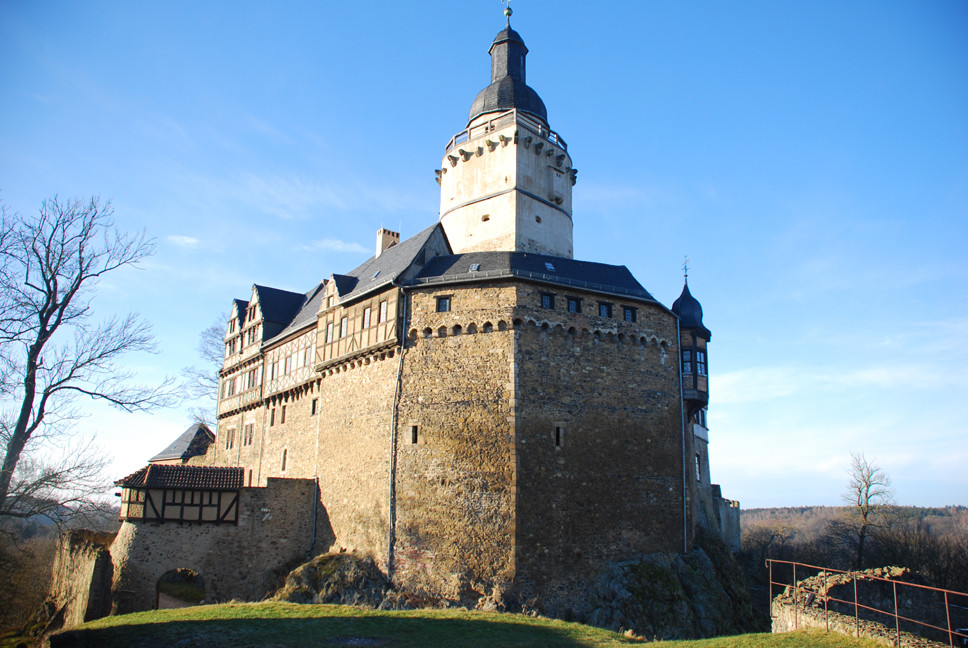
[[824, 572]]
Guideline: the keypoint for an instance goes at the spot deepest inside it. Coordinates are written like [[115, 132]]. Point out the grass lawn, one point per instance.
[[278, 625]]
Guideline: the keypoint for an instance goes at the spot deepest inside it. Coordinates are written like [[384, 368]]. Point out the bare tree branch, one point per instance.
[[869, 495], [51, 353], [201, 384]]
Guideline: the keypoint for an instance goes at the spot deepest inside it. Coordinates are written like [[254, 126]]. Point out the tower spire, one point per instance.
[[507, 10]]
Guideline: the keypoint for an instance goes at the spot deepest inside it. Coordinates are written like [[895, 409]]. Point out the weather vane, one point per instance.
[[685, 268], [507, 10]]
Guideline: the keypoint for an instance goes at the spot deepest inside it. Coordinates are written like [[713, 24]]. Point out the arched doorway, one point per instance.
[[177, 588]]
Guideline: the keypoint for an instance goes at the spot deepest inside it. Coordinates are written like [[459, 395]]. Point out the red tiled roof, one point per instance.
[[184, 478]]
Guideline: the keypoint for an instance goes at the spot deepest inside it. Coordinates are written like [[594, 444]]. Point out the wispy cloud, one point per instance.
[[332, 245], [182, 241]]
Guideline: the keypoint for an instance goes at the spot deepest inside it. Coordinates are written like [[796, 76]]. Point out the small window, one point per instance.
[[604, 309], [414, 435], [308, 356], [629, 314], [701, 362], [547, 300], [315, 404], [574, 305], [474, 267], [382, 316], [366, 317], [229, 439], [287, 365], [698, 467], [549, 266], [443, 304], [376, 274], [700, 417], [329, 332], [284, 453], [687, 361], [329, 301], [344, 327], [485, 218], [282, 417], [272, 417], [250, 481], [559, 436], [274, 371]]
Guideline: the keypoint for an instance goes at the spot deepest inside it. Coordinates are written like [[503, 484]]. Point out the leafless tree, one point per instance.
[[52, 353], [869, 495], [201, 384]]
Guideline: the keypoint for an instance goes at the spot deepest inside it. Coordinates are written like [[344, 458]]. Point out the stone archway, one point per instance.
[[182, 587]]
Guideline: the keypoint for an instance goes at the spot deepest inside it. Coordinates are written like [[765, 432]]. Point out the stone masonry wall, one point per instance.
[[246, 561], [81, 576], [455, 474], [599, 441]]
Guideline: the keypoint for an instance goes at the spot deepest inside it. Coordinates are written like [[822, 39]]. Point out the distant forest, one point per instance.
[[931, 541]]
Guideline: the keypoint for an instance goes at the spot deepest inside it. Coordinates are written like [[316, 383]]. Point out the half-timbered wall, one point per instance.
[[290, 363], [347, 330], [175, 505]]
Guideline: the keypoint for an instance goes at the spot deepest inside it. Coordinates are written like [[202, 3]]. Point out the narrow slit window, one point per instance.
[[414, 435], [284, 456], [559, 436], [282, 417], [314, 406]]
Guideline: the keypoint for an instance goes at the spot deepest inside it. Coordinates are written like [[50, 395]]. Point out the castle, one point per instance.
[[472, 407]]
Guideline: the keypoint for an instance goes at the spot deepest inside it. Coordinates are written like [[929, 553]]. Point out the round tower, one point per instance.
[[506, 179], [693, 339]]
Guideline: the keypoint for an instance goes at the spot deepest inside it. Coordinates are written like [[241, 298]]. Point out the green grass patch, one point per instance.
[[281, 625]]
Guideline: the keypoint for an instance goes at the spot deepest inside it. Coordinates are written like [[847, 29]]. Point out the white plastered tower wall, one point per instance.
[[506, 186]]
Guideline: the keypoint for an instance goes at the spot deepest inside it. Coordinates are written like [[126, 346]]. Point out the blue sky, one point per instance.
[[811, 159]]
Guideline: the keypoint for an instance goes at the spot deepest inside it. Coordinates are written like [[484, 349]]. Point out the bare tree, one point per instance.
[[869, 495], [201, 384], [51, 353]]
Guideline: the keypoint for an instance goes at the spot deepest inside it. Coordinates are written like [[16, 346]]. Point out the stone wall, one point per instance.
[[81, 578], [247, 561], [455, 471], [598, 441]]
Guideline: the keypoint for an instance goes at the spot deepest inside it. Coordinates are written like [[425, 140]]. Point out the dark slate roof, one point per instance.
[[193, 442], [241, 306], [184, 478], [380, 270], [278, 308], [585, 275], [306, 315], [508, 89], [689, 311]]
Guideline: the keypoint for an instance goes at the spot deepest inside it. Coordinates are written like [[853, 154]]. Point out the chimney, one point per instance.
[[384, 239]]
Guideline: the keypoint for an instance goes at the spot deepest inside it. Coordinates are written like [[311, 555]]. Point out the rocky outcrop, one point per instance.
[[675, 596], [339, 578], [81, 579]]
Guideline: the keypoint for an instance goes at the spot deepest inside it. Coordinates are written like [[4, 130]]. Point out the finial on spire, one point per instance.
[[507, 10], [685, 268]]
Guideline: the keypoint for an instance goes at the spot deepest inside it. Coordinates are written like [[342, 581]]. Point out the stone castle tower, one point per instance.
[[505, 181], [471, 406]]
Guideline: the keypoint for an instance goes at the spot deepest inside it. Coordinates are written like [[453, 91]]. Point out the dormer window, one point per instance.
[[549, 266]]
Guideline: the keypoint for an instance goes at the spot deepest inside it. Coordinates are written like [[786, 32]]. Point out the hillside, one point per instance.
[[284, 624]]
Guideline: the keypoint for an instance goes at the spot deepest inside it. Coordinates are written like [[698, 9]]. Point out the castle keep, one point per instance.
[[472, 406]]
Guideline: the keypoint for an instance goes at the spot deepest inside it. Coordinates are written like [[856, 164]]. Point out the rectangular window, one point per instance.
[[284, 453], [414, 436], [559, 436], [314, 406], [250, 481], [629, 314], [287, 365], [698, 467], [443, 304], [574, 305], [382, 316], [366, 317], [308, 356], [329, 301], [272, 417], [701, 362], [229, 439], [686, 361], [274, 373], [248, 434], [344, 327], [604, 309], [547, 300], [329, 332], [282, 417]]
